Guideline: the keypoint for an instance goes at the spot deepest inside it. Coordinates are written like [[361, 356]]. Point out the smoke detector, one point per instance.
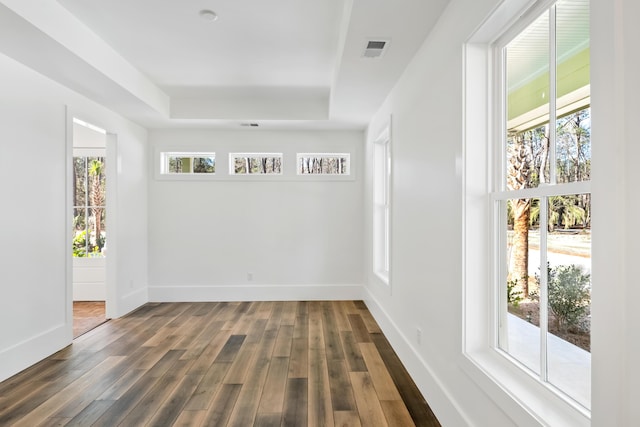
[[375, 48]]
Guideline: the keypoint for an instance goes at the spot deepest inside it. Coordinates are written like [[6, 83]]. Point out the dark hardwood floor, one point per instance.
[[222, 364], [87, 315]]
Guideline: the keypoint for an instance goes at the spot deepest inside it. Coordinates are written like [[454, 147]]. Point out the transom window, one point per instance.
[[255, 163], [541, 199], [323, 164], [188, 163]]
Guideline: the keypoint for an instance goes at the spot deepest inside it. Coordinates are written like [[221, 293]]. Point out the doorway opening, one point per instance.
[[89, 240]]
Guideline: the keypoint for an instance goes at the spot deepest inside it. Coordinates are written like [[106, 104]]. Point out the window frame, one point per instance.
[[163, 157], [300, 156], [521, 395], [87, 153], [234, 155], [382, 167]]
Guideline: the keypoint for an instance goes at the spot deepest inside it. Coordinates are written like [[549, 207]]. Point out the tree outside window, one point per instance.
[[89, 213]]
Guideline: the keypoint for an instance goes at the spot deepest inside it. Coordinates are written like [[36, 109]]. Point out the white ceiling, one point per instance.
[[280, 63]]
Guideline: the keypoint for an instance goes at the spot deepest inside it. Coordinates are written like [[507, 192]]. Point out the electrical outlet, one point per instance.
[[419, 336], [249, 277]]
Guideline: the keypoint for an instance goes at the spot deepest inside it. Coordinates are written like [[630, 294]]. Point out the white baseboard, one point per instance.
[[255, 293], [29, 352], [432, 388], [129, 302]]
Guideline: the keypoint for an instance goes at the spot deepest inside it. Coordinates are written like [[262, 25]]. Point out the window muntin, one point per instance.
[[255, 163], [89, 206], [323, 164], [187, 163], [542, 200]]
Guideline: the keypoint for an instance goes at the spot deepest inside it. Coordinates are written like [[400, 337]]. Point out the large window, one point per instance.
[[381, 202], [541, 199]]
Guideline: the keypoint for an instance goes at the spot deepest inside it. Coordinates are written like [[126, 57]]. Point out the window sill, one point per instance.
[[522, 397]]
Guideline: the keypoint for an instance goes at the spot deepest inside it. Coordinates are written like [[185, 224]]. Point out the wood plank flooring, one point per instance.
[[87, 315], [320, 363]]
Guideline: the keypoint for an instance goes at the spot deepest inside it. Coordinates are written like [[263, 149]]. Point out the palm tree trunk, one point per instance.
[[520, 258]]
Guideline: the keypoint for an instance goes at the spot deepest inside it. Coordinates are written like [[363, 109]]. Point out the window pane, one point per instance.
[[79, 232], [520, 335], [323, 164], [573, 147], [573, 127], [179, 164], [96, 181], [244, 164], [79, 181], [569, 295], [527, 64], [204, 165]]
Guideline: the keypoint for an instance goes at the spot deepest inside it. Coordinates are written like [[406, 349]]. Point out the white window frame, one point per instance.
[[86, 153], [382, 205], [522, 396]]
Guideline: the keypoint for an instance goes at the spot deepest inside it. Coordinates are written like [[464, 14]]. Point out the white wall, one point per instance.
[[426, 222], [35, 303], [615, 334], [426, 264], [300, 238]]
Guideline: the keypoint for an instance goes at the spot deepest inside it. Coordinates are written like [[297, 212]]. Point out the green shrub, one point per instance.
[[514, 296], [569, 295], [80, 244]]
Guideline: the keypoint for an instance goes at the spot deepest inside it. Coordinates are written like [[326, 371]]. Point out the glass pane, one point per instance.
[[179, 164], [573, 147], [79, 232], [257, 165], [521, 317], [97, 180], [95, 232], [569, 295], [79, 181], [323, 165], [204, 165], [527, 64], [573, 128]]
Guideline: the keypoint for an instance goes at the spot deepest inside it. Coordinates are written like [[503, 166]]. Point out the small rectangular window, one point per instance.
[[173, 163], [255, 163], [324, 164]]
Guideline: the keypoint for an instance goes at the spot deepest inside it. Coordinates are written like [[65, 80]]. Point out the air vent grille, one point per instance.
[[375, 48]]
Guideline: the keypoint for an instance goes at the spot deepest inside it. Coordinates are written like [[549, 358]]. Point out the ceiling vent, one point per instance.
[[375, 48]]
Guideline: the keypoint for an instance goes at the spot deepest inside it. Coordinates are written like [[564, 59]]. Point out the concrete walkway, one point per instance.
[[569, 366]]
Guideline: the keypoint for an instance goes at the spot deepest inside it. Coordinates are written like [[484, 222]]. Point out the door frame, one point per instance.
[[111, 223]]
